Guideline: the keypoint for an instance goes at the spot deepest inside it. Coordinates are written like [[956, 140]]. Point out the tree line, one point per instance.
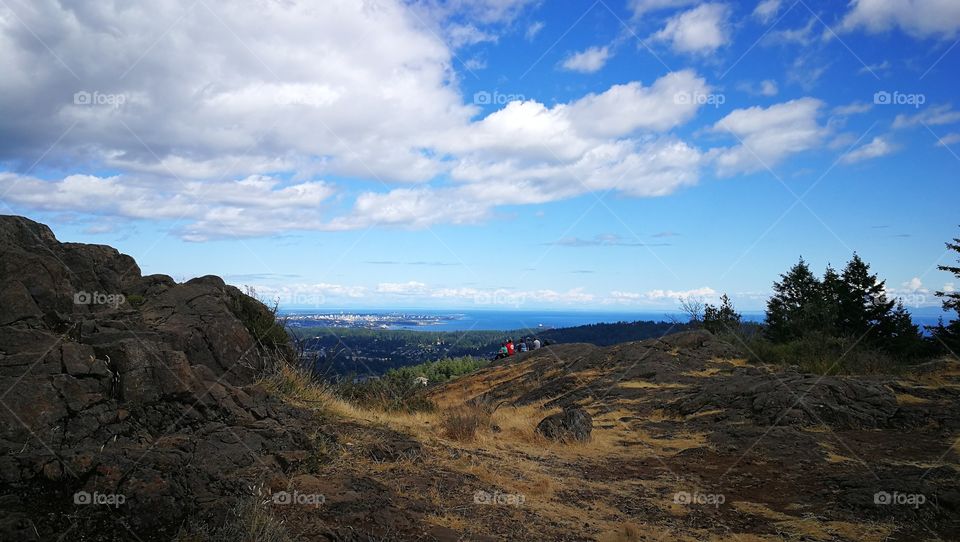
[[817, 322]]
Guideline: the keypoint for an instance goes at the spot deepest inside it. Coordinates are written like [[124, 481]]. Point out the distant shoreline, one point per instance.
[[439, 320]]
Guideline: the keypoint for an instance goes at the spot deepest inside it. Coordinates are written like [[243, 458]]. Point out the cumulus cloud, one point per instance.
[[919, 18], [701, 30], [243, 208], [589, 60], [238, 131], [768, 135], [876, 148]]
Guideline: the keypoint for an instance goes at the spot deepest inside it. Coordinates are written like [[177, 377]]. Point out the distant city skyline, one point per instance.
[[491, 154]]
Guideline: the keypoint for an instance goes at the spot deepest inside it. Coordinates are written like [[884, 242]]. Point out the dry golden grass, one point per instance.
[[644, 384], [736, 362], [813, 528], [462, 423], [708, 372], [907, 399]]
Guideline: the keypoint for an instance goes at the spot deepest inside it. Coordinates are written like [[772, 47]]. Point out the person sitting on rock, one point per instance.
[[523, 346], [536, 343], [510, 350], [503, 351]]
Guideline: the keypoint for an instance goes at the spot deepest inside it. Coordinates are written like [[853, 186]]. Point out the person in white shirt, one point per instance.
[[536, 344]]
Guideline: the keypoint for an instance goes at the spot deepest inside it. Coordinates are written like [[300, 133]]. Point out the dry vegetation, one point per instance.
[[618, 486]]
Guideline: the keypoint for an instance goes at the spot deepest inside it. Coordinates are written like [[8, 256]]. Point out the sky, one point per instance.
[[614, 155]]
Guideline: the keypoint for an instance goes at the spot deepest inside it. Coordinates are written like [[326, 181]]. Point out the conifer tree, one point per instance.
[[791, 312], [722, 319], [949, 335], [863, 300]]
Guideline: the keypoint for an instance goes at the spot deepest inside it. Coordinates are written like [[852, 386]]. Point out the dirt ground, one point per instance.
[[689, 442]]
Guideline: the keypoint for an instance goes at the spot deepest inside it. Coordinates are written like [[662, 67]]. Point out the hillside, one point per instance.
[[135, 407]]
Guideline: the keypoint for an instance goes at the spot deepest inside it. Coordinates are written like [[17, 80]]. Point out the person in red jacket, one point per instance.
[[510, 351]]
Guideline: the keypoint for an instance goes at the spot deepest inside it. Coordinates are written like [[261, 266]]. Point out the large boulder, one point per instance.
[[573, 424], [112, 383]]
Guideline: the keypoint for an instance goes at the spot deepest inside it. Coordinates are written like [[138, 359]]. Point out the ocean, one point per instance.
[[507, 320]]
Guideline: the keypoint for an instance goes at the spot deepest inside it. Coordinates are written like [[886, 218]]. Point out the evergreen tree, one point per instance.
[[831, 291], [863, 301], [722, 319], [949, 335], [899, 333], [791, 312]]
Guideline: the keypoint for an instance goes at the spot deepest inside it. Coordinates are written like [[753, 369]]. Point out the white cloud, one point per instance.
[[700, 30], [854, 108], [402, 288], [256, 205], [660, 296], [534, 29], [460, 35], [876, 148], [768, 88], [767, 10], [949, 139], [640, 7], [919, 18], [933, 116], [768, 135], [203, 106], [949, 288], [589, 60]]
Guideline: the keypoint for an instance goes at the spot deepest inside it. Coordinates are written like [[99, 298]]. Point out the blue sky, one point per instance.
[[490, 153]]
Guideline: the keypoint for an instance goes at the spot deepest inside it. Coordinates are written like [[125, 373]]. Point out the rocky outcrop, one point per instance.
[[140, 388], [571, 425], [791, 398]]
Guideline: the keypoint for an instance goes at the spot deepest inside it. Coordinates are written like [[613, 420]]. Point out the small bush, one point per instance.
[[462, 423], [249, 521], [824, 354], [386, 394]]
